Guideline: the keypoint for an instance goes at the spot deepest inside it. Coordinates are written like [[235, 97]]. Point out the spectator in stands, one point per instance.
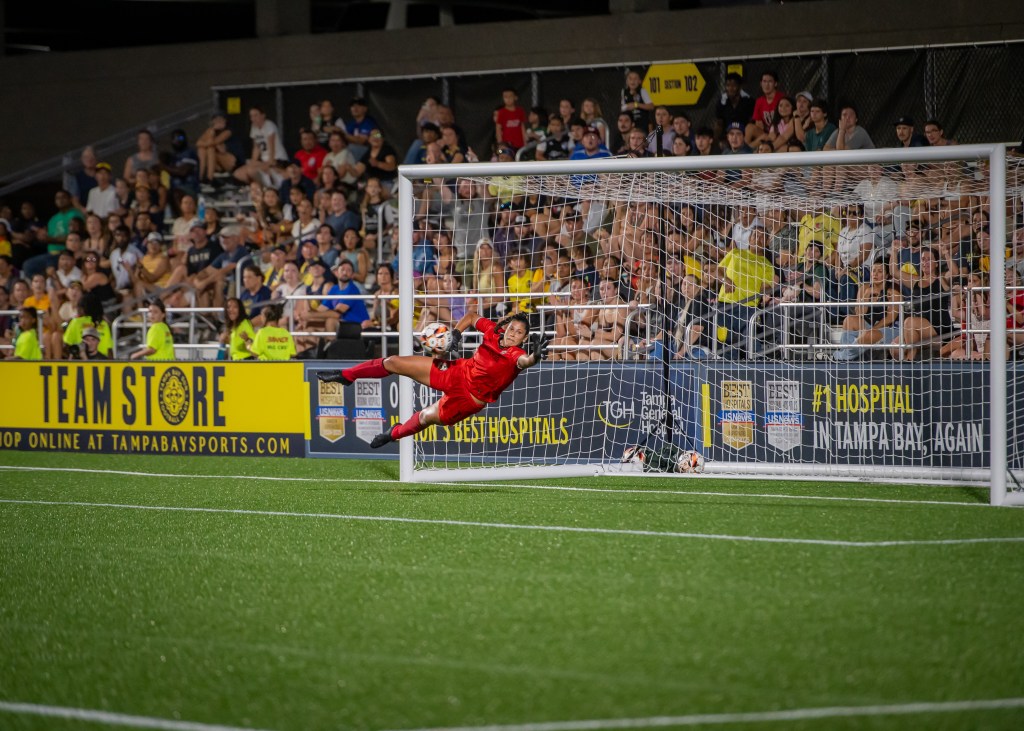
[[295, 179], [635, 99], [26, 343], [510, 121], [218, 149], [452, 148], [159, 341], [935, 134], [153, 272], [682, 127], [607, 324], [802, 116], [747, 277], [352, 250], [849, 135], [489, 277], [83, 181], [927, 321], [327, 182], [90, 348], [272, 342], [98, 236], [269, 154], [782, 128], [306, 224], [350, 310], [199, 256], [145, 156], [869, 323], [764, 108], [329, 123], [291, 284], [182, 165], [557, 145], [8, 274], [39, 298], [316, 315], [211, 282], [821, 129], [339, 157], [735, 144], [254, 294], [620, 137], [536, 124], [273, 275], [590, 112], [339, 217], [309, 157], [380, 160], [96, 281], [102, 199], [662, 121], [359, 128], [572, 328], [905, 134], [592, 148], [416, 154], [326, 247], [66, 272], [764, 180], [735, 105], [21, 290], [181, 226], [384, 308]]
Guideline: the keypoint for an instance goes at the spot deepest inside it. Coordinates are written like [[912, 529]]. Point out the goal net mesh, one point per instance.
[[827, 321]]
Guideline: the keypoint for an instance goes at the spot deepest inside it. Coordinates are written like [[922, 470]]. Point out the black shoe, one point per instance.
[[333, 377], [381, 439]]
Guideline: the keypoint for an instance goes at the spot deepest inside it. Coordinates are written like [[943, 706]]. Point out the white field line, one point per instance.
[[518, 486], [112, 719], [707, 719], [527, 527], [716, 719]]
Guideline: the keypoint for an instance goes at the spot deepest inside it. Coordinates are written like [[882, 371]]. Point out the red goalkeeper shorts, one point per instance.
[[458, 403]]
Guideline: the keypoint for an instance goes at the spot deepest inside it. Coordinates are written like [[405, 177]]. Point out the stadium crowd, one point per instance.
[[898, 258]]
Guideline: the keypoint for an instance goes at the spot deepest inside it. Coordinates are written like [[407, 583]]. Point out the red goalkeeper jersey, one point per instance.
[[492, 368]]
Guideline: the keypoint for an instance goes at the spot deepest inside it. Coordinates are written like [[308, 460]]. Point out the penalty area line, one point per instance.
[[526, 527], [715, 719], [511, 485], [112, 719]]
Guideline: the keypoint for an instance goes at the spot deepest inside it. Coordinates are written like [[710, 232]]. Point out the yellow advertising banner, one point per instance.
[[210, 407], [674, 84]]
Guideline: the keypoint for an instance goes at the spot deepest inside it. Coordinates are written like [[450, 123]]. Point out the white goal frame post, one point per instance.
[[994, 153]]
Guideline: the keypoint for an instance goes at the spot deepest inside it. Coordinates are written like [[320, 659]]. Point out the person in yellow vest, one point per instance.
[[238, 330], [26, 345], [89, 314], [273, 342], [159, 341]]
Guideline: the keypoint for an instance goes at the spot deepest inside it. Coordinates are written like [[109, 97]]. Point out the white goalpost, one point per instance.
[[878, 343]]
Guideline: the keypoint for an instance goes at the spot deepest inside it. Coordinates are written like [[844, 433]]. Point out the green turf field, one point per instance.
[[197, 597]]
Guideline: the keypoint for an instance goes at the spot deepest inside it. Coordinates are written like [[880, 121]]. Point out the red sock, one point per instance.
[[409, 428], [370, 369]]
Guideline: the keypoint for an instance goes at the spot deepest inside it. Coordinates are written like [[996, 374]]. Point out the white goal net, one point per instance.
[[828, 315]]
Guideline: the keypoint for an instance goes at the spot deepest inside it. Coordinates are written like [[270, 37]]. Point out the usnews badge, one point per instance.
[[783, 420], [174, 396], [737, 414], [369, 411], [330, 411]]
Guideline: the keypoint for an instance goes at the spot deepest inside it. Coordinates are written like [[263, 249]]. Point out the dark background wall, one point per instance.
[[54, 103]]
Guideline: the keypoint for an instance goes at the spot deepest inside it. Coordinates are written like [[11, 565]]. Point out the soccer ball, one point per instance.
[[634, 455], [690, 462], [436, 338]]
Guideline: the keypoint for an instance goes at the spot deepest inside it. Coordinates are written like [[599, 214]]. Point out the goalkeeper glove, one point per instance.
[[456, 342], [541, 352]]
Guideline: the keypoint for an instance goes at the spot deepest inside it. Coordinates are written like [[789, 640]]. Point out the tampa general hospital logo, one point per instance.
[[173, 396]]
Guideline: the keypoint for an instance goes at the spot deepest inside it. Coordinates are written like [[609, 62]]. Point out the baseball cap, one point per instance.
[[908, 121], [806, 95], [231, 230], [734, 125], [90, 332], [591, 131], [361, 101], [522, 219], [318, 262], [431, 126], [197, 223], [154, 236], [506, 150], [103, 166]]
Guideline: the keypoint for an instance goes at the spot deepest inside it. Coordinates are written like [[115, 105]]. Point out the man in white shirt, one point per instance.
[[102, 199]]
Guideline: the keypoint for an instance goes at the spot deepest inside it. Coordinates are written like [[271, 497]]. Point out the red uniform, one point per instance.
[[513, 123], [489, 372]]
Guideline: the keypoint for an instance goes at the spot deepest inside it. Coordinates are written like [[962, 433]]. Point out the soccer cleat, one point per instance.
[[333, 377], [381, 439]]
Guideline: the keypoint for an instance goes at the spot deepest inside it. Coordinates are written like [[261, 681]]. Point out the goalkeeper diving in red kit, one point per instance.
[[468, 384]]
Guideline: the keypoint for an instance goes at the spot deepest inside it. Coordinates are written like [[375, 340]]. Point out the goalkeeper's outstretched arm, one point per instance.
[[540, 352]]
